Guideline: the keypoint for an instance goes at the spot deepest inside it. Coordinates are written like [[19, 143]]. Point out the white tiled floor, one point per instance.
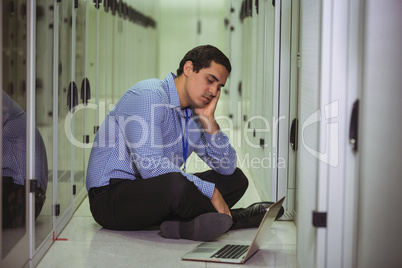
[[89, 245]]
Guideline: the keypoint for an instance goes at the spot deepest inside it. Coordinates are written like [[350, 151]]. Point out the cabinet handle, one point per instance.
[[85, 91], [106, 5], [97, 3], [72, 89], [354, 126], [293, 134]]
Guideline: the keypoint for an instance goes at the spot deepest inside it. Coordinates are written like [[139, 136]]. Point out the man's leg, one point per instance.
[[210, 226], [232, 187], [137, 204], [13, 197], [40, 198]]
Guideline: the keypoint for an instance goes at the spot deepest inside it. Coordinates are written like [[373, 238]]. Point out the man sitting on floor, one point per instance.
[[134, 178]]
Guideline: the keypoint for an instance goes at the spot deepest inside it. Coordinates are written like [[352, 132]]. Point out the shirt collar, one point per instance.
[[174, 96], [172, 90]]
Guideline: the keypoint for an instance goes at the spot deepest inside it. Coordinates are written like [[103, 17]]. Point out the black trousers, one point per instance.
[[140, 203], [13, 204]]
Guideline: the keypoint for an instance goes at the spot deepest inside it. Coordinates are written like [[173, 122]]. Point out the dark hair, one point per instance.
[[201, 58]]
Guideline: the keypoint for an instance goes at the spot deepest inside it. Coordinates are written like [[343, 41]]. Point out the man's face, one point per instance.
[[201, 87]]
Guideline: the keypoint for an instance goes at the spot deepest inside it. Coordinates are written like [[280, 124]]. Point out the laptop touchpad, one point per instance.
[[203, 250]]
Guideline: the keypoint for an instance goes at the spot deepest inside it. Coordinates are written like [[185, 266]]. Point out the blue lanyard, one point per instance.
[[185, 143]]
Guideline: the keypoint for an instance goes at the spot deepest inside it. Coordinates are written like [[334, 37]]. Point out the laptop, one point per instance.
[[234, 252]]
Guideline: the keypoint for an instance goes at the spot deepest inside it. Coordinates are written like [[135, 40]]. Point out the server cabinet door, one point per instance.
[[101, 62], [287, 99], [94, 104], [67, 100], [236, 32], [268, 93], [14, 191], [108, 61], [117, 69], [83, 90], [379, 240], [308, 104], [246, 77], [263, 125], [44, 121], [254, 59], [327, 186]]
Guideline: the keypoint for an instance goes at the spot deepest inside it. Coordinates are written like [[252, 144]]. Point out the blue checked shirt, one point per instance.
[[15, 145], [141, 137]]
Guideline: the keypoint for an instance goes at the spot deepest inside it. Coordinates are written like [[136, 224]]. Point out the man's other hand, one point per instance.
[[219, 203]]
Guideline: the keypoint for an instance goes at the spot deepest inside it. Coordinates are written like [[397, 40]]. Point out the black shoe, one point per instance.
[[205, 227], [251, 216]]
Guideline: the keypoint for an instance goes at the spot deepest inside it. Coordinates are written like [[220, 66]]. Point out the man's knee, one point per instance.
[[240, 178], [180, 185], [184, 196]]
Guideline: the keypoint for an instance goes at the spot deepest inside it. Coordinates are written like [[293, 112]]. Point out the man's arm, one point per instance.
[[219, 203], [139, 119], [211, 128]]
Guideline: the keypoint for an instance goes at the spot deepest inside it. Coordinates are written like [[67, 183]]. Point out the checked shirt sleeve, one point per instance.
[[217, 152]]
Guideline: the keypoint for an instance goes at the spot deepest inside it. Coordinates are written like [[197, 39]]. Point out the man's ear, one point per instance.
[[188, 67]]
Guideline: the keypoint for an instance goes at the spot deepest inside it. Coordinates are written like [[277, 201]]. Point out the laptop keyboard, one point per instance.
[[230, 252]]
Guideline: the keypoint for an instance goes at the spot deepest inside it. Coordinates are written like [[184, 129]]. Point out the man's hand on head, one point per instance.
[[207, 115], [209, 109]]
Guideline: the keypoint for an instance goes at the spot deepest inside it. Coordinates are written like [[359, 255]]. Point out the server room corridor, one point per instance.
[[311, 107]]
